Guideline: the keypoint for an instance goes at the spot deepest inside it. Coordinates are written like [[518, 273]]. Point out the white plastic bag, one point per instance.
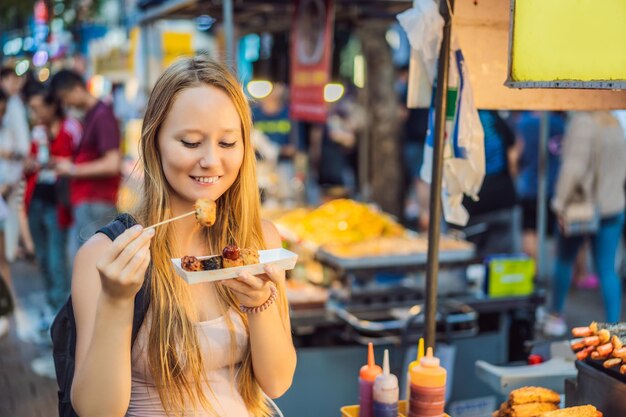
[[464, 146], [424, 27]]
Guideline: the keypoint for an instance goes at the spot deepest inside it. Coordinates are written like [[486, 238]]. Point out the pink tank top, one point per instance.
[[214, 339]]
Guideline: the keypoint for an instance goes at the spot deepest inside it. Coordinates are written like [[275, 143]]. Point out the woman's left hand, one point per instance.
[[254, 290]]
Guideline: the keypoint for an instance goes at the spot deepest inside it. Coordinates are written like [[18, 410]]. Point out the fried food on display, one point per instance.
[[529, 402], [527, 395], [579, 411], [601, 341], [340, 221], [231, 256]]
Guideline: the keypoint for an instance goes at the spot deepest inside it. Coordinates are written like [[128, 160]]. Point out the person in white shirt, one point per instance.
[[15, 123]]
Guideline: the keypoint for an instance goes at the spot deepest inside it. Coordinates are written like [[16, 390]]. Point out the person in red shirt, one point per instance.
[[95, 169], [48, 207]]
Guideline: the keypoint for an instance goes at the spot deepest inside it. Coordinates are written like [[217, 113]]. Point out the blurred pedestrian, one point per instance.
[[593, 170], [47, 195], [494, 224], [414, 124], [337, 168], [95, 168], [12, 153], [15, 122], [527, 129], [271, 117]]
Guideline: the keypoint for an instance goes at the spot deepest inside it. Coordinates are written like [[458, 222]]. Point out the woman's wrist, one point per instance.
[[258, 308]]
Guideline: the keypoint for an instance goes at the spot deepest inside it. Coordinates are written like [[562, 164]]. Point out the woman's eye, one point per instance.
[[190, 144], [228, 144]]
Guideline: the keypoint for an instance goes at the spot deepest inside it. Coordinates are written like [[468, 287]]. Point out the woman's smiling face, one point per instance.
[[201, 144]]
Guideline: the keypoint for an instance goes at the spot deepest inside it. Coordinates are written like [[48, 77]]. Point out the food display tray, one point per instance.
[[279, 258], [415, 259]]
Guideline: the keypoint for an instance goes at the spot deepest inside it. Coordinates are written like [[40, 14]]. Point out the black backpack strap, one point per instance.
[[118, 226], [112, 230]]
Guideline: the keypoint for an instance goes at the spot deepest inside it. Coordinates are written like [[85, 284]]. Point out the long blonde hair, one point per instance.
[[174, 357]]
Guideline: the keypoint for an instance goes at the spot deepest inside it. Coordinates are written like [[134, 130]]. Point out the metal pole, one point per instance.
[[434, 225], [542, 194], [229, 32]]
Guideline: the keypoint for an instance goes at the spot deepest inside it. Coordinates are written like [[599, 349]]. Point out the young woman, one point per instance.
[[197, 351]]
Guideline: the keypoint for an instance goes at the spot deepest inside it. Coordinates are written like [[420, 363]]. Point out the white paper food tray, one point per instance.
[[280, 258]]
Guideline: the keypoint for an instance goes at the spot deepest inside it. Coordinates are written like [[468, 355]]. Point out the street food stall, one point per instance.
[[370, 280]]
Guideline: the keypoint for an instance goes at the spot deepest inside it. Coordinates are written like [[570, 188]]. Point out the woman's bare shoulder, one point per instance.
[[270, 235]]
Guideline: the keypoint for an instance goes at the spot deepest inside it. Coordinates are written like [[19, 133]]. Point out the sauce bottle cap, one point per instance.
[[371, 370], [429, 361]]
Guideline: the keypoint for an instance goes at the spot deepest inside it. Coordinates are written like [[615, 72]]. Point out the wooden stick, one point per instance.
[[170, 220]]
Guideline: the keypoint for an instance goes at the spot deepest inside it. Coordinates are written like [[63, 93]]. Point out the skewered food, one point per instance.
[[610, 363], [231, 256], [205, 210], [250, 256], [231, 252], [190, 263], [594, 328], [231, 263], [212, 263], [601, 341]]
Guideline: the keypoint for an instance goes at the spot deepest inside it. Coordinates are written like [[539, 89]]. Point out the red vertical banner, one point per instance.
[[311, 54]]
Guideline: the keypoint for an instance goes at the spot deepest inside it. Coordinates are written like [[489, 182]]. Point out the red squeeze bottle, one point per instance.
[[428, 388], [367, 376]]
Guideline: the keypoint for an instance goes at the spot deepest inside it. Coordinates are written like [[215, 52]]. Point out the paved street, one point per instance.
[[22, 392], [25, 394]]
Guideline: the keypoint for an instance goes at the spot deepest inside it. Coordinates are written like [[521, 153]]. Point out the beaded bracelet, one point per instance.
[[264, 306]]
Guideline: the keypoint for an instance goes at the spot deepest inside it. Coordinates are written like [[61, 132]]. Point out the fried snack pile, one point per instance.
[[529, 402], [231, 256], [347, 229], [206, 211], [579, 411], [340, 221], [605, 342]]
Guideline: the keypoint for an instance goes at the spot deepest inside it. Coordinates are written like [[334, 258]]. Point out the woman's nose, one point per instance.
[[208, 160]]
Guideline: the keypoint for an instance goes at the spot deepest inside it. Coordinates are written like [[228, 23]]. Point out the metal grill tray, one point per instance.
[[613, 372], [416, 259]]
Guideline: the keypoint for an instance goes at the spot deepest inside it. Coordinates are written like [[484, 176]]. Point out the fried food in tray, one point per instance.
[[531, 409], [249, 256], [529, 402], [527, 395], [579, 411], [191, 263], [387, 246], [601, 341], [231, 257], [340, 221]]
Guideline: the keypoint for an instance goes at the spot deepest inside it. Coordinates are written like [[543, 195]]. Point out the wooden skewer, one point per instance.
[[171, 220]]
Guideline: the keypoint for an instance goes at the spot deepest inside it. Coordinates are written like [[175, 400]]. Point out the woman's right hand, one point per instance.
[[123, 266]]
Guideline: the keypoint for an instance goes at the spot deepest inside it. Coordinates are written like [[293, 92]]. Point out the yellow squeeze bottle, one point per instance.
[[420, 355]]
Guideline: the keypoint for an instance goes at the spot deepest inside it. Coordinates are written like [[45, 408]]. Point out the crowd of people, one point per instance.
[[59, 177], [585, 181]]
